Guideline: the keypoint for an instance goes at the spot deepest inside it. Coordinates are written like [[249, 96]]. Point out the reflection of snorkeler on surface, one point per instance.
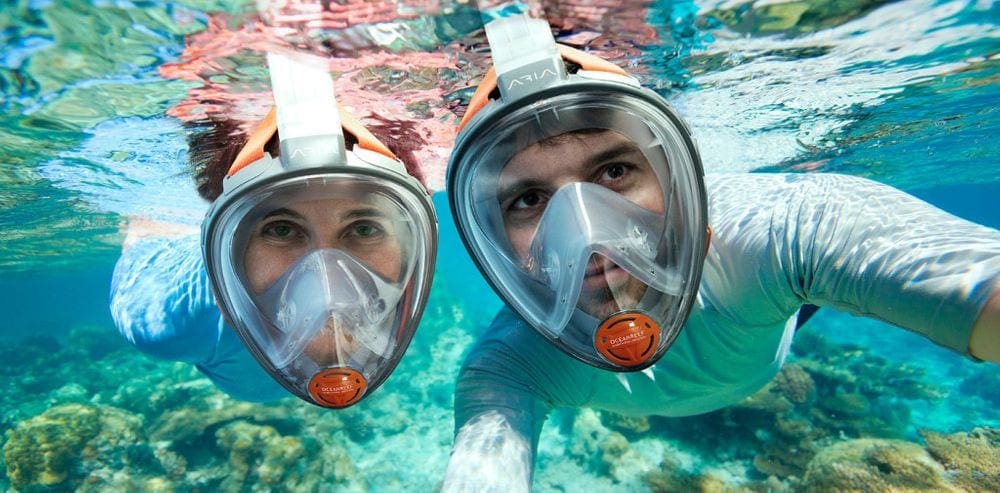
[[581, 198], [319, 251]]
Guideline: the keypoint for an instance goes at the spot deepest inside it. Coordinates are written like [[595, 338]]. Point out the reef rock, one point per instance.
[[79, 446], [972, 459], [874, 465], [795, 383], [259, 455]]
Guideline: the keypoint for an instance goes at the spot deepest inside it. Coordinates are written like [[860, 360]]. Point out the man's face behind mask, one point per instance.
[[606, 158]]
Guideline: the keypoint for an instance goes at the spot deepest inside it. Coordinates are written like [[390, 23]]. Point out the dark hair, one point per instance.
[[214, 145], [212, 148]]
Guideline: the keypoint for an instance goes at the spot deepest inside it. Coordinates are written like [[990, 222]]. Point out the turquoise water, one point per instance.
[[93, 132]]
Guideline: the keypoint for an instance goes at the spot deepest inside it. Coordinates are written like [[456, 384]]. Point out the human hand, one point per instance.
[[136, 228]]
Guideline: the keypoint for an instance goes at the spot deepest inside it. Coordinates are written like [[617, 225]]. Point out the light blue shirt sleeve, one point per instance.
[[779, 241], [848, 243], [162, 303]]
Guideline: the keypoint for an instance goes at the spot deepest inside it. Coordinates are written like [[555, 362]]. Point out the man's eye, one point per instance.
[[613, 172], [528, 200]]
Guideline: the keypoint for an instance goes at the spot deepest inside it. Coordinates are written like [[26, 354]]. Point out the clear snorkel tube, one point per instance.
[[525, 56], [306, 112]]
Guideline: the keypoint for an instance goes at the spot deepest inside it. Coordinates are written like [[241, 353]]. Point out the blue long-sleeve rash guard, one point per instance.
[[779, 241], [162, 302]]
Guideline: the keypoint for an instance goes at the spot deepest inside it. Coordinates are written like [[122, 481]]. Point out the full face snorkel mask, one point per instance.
[[580, 196], [320, 256]]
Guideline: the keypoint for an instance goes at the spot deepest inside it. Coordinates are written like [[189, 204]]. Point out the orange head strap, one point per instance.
[[254, 148], [586, 61]]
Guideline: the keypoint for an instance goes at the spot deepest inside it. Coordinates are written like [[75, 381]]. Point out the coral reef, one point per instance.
[[602, 449], [198, 419], [985, 378], [834, 392], [118, 421], [827, 393], [629, 425], [672, 477], [795, 384], [852, 368], [588, 435], [971, 459], [874, 465], [259, 455], [95, 447], [44, 450], [785, 451], [123, 422]]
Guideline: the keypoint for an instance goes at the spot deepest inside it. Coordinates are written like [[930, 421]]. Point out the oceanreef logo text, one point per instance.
[[626, 339], [328, 389]]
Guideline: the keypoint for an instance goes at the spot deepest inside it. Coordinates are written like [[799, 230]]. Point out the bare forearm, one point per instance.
[[985, 340], [138, 228]]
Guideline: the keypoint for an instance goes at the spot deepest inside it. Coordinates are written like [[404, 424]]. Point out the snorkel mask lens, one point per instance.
[[580, 197], [329, 290], [321, 258]]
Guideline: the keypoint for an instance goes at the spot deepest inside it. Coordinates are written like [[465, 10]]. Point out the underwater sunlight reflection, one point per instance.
[[95, 130]]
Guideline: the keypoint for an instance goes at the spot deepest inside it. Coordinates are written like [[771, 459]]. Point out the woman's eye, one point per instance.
[[281, 230], [366, 230]]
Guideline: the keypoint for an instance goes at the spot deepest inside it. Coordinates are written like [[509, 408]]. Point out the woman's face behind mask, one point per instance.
[[286, 234], [318, 264]]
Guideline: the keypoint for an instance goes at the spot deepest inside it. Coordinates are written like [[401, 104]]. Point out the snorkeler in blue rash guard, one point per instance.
[[634, 285], [319, 256]]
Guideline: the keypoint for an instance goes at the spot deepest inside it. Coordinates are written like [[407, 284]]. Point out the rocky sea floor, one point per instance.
[[89, 413]]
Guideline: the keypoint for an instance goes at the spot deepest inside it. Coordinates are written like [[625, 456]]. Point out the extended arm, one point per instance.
[[162, 304], [872, 250], [985, 341], [508, 383]]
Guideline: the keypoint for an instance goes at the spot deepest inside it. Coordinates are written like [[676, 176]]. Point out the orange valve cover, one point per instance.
[[627, 338], [337, 387]]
